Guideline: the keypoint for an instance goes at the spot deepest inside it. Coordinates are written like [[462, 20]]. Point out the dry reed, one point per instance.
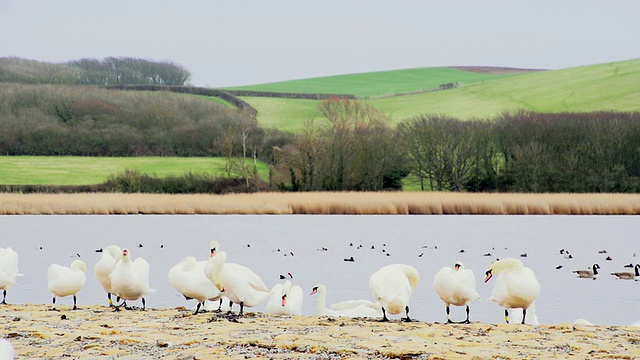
[[387, 203]]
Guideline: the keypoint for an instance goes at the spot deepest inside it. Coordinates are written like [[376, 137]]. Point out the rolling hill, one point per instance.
[[612, 86]]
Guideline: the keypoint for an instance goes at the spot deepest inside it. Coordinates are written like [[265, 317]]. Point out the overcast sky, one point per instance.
[[238, 42]]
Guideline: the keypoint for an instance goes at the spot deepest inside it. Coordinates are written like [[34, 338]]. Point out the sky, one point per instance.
[[241, 42]]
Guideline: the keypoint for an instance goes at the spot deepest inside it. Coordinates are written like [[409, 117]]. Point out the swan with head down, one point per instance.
[[65, 281], [238, 283], [456, 286], [189, 279], [392, 286], [8, 270], [285, 299], [516, 288]]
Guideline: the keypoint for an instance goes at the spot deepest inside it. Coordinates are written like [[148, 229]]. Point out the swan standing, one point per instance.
[[103, 268], [64, 281], [189, 279], [348, 308], [456, 286], [236, 282], [130, 279], [285, 299], [588, 273], [8, 270], [516, 287], [392, 286]]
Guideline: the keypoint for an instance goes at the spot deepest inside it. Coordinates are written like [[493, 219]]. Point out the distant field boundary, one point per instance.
[[282, 95], [224, 95], [325, 203]]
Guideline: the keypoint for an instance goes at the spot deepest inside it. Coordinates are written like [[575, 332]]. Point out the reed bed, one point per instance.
[[325, 203]]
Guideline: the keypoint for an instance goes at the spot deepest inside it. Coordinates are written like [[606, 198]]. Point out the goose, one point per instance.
[[6, 350], [625, 275], [236, 282], [103, 268], [588, 273], [392, 286], [188, 278], [64, 281], [130, 279], [8, 271], [456, 286], [348, 308], [516, 287], [285, 299]]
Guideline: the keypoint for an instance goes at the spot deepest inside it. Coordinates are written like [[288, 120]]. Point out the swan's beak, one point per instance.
[[456, 267], [488, 275], [213, 252], [284, 299], [314, 291]]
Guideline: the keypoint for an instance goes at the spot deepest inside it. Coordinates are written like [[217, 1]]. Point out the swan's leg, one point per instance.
[[54, 304], [4, 297], [406, 309], [524, 315], [110, 301], [230, 307], [74, 303], [198, 308], [448, 316], [144, 305], [506, 315], [384, 316], [467, 321], [241, 308], [220, 306]]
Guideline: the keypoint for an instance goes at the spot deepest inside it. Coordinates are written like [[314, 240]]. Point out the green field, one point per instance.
[[613, 86], [76, 170], [376, 84]]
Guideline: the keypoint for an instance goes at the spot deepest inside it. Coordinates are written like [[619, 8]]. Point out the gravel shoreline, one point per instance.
[[97, 332]]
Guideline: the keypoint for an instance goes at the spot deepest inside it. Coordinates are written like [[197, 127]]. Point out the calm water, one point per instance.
[[254, 241]]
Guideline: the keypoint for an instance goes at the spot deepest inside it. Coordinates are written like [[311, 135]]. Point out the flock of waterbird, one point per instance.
[[215, 279]]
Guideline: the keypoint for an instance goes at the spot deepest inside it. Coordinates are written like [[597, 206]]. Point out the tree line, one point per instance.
[[103, 72], [352, 147], [356, 149]]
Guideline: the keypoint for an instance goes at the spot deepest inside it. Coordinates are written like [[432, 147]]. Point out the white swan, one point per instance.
[[392, 286], [456, 286], [236, 282], [285, 299], [626, 275], [588, 273], [189, 279], [516, 287], [8, 270], [130, 279], [6, 350], [348, 308], [103, 268], [64, 281]]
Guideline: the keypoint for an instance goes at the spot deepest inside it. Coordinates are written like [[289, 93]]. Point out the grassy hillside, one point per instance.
[[73, 170], [613, 86], [376, 84]]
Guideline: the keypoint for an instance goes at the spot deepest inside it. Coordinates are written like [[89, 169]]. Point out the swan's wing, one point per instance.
[[256, 282], [141, 267]]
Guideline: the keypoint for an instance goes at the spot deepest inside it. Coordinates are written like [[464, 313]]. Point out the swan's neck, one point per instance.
[[322, 301]]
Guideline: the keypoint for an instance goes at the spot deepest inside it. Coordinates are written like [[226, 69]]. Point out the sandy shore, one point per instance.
[[97, 332]]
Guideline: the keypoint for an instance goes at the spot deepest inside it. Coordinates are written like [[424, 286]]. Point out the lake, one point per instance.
[[276, 244]]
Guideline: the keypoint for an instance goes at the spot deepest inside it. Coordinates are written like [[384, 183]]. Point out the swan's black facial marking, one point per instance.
[[488, 275]]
